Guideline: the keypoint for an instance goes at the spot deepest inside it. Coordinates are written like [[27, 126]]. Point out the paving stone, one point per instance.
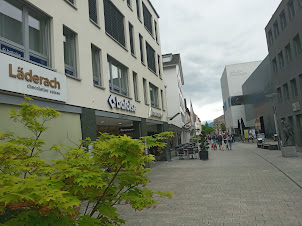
[[235, 187]]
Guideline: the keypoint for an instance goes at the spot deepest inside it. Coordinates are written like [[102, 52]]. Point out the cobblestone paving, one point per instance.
[[234, 187]]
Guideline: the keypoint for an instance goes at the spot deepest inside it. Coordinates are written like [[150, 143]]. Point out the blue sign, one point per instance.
[[12, 51], [37, 60]]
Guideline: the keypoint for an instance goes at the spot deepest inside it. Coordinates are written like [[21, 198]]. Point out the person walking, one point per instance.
[[219, 139], [224, 143], [230, 141]]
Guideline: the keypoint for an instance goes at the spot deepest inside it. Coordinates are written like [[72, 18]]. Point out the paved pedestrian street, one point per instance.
[[244, 186]]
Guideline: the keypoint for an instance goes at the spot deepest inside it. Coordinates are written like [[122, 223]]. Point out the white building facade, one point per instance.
[[174, 80], [231, 83], [97, 61]]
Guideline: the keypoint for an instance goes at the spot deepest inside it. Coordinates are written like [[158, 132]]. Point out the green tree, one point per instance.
[[83, 187], [207, 129], [223, 127]]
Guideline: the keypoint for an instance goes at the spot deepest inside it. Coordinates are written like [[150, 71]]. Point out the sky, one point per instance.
[[210, 34]]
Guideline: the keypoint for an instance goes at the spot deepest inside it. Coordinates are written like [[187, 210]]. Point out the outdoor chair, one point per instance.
[[191, 152], [181, 153]]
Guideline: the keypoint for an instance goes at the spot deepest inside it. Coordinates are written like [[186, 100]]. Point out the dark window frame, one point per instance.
[[135, 86], [154, 94], [150, 57], [131, 38], [114, 23], [297, 45], [96, 57], [70, 70], [147, 19], [141, 46], [281, 59], [288, 53], [93, 11], [283, 20], [294, 87], [291, 9]]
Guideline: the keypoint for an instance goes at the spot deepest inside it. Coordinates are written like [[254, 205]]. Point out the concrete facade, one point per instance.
[[284, 38], [217, 124], [133, 56], [231, 82], [174, 80]]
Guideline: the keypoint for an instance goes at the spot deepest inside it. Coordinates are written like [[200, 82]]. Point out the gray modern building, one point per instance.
[[258, 92], [284, 36]]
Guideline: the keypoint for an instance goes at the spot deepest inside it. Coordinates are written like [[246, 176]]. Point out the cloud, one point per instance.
[[210, 34]]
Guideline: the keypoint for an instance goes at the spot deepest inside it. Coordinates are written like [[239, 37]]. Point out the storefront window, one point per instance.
[[25, 38]]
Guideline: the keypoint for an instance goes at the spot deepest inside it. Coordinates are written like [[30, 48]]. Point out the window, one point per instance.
[[270, 37], [118, 77], [291, 9], [286, 91], [129, 4], [275, 67], [135, 86], [283, 20], [96, 65], [145, 91], [281, 59], [276, 29], [141, 48], [153, 95], [155, 27], [279, 95], [93, 13], [138, 12], [150, 57], [24, 32], [131, 38], [147, 19], [159, 68], [288, 53], [162, 99], [114, 22], [294, 88], [297, 45], [69, 52]]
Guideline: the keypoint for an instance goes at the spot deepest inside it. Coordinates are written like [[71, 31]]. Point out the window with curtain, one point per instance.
[[118, 81], [24, 32]]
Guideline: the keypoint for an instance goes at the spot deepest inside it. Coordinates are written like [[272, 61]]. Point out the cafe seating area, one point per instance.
[[187, 151]]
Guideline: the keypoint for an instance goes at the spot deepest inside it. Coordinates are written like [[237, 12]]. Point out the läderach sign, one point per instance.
[[22, 77]]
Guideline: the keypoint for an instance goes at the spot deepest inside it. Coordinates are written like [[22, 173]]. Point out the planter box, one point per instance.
[[204, 155], [290, 151]]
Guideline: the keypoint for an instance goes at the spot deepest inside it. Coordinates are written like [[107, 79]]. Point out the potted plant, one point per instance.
[[204, 146]]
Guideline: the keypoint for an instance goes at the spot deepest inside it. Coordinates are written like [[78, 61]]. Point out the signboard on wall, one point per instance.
[[155, 114], [25, 78]]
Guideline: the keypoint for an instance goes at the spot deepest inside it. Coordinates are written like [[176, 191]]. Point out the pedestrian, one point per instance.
[[219, 139], [230, 141], [225, 143]]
